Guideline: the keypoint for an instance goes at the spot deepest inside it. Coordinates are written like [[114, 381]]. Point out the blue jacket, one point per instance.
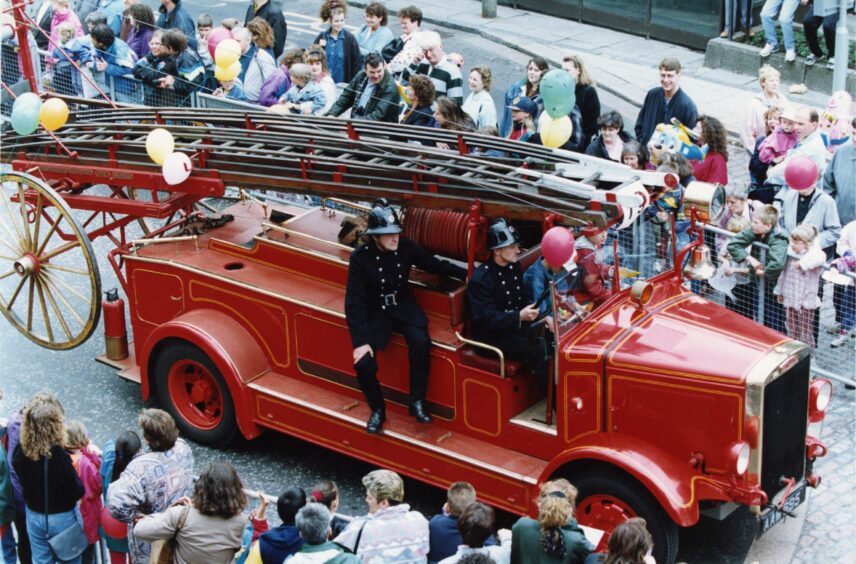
[[181, 19], [114, 10], [120, 61], [77, 52], [537, 279], [517, 90], [312, 92], [279, 543]]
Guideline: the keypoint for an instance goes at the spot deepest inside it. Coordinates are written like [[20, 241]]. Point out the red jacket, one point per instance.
[[713, 168], [596, 274]]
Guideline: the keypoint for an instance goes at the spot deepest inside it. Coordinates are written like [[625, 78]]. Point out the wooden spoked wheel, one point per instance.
[[50, 287]]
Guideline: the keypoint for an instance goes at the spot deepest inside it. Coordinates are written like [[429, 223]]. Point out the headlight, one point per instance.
[[820, 394], [740, 454]]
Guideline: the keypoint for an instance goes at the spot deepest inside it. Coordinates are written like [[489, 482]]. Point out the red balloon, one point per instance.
[[113, 528], [557, 246], [217, 35], [801, 173]]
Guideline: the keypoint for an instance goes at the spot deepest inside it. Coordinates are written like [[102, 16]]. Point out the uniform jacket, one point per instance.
[[496, 295], [383, 105], [595, 273], [271, 12], [526, 543], [178, 18], [777, 241], [373, 274]]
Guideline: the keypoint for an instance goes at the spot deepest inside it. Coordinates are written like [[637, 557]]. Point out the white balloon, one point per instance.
[[176, 168]]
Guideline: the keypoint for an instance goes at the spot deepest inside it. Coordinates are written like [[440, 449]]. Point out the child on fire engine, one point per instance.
[[595, 273], [799, 283]]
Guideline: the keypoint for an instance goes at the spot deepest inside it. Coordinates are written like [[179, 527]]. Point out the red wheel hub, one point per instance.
[[195, 394], [603, 512]]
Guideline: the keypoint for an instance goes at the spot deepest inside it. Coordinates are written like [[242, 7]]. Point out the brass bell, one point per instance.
[[700, 266]]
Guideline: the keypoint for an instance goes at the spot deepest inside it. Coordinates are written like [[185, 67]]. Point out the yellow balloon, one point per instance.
[[554, 132], [54, 114], [227, 52], [227, 73], [159, 145], [402, 91]]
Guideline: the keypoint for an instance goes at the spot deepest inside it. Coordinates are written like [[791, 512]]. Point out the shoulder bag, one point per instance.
[[70, 543], [163, 551]]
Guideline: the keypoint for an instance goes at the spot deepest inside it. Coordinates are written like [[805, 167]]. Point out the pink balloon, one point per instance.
[[801, 173], [113, 528], [557, 246], [217, 35]]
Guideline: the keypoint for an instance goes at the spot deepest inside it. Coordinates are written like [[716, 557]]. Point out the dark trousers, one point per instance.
[[531, 351], [811, 23], [418, 353], [746, 304]]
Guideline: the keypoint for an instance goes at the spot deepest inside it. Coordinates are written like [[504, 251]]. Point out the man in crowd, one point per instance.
[[445, 75], [399, 52], [810, 145], [839, 180], [443, 528], [277, 544], [501, 316], [378, 300], [113, 57], [372, 94], [664, 102], [313, 524], [173, 14], [271, 12], [256, 64]]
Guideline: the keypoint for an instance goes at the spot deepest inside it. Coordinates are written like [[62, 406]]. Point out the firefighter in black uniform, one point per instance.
[[378, 301], [497, 295]]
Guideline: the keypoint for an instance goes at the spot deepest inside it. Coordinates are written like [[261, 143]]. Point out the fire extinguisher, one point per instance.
[[115, 333]]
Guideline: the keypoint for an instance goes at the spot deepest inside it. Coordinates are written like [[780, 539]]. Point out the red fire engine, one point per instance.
[[667, 405]]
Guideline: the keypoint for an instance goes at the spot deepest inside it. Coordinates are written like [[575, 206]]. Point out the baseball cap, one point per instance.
[[524, 104]]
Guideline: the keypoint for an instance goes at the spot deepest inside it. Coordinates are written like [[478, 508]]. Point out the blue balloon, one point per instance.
[[557, 92], [27, 100], [25, 120]]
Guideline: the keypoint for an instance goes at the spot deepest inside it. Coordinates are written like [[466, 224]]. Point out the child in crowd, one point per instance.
[[116, 457], [327, 493], [635, 156], [444, 535], [844, 297], [279, 81], [304, 96], [763, 229], [204, 25], [66, 78], [595, 274], [231, 90], [732, 277], [799, 283], [783, 139], [87, 463], [757, 167], [523, 110]]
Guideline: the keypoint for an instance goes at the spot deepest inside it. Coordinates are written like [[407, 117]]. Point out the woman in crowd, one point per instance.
[[154, 480], [629, 543], [555, 536], [142, 25], [327, 493], [525, 87], [421, 93], [451, 117], [757, 167], [116, 457], [714, 167], [317, 60], [479, 104], [586, 95], [340, 45], [635, 156], [768, 97], [374, 34], [522, 119], [87, 463], [45, 469], [262, 34], [209, 528], [610, 143]]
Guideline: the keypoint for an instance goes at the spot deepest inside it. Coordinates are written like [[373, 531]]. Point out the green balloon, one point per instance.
[[25, 119], [27, 100], [557, 92]]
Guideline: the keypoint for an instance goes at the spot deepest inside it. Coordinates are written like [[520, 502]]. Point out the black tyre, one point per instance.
[[606, 499], [192, 390]]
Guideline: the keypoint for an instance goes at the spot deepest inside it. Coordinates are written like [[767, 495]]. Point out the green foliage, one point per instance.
[[801, 46]]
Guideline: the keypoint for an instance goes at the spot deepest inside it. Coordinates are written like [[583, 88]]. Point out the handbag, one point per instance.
[[70, 543], [163, 551]]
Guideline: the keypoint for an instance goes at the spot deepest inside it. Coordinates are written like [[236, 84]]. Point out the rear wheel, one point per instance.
[[192, 390], [607, 499]]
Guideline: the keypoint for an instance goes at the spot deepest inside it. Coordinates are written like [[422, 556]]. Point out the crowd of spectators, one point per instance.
[[139, 495], [411, 79]]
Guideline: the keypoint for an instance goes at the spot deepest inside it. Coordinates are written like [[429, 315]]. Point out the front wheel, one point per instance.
[[607, 499], [192, 390]]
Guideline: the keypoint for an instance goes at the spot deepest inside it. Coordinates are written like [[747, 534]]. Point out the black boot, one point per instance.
[[418, 411], [375, 422]]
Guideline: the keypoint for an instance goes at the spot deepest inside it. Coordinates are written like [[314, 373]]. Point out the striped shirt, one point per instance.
[[446, 77]]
